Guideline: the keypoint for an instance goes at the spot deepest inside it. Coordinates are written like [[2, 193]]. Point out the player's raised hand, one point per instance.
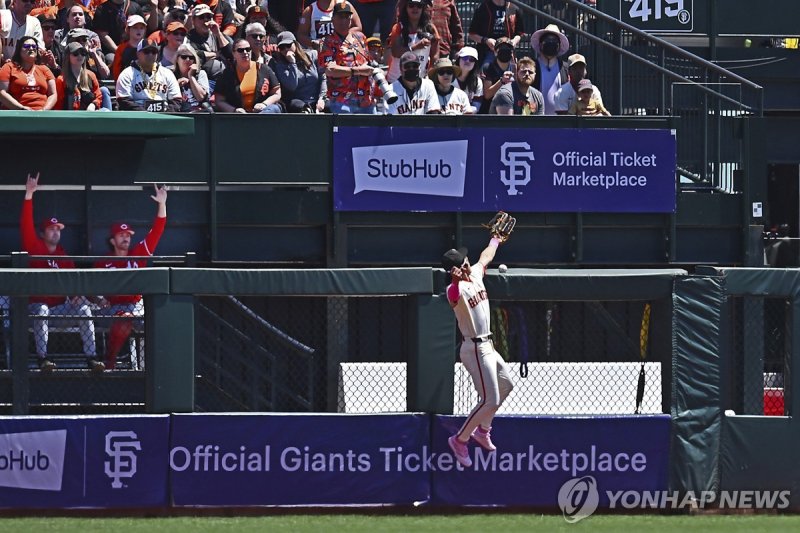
[[31, 186], [161, 194]]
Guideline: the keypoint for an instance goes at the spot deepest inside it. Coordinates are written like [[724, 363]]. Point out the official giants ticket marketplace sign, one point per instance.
[[517, 170], [53, 462], [315, 459]]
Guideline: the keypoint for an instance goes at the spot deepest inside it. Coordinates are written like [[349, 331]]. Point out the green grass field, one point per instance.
[[356, 523]]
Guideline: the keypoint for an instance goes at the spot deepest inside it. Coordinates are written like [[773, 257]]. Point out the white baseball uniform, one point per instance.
[[490, 373], [419, 102], [12, 31]]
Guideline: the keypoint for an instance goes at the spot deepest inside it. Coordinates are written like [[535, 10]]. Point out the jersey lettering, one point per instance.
[[478, 298]]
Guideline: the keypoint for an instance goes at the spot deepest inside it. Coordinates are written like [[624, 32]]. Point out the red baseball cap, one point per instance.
[[52, 221], [120, 227]]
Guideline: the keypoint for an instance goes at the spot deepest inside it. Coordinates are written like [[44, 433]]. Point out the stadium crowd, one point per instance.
[[287, 56]]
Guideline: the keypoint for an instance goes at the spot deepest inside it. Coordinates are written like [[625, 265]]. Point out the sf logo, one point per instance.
[[121, 447], [517, 157]]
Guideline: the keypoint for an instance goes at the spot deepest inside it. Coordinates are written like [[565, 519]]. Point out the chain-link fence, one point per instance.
[[761, 342], [575, 358], [349, 354]]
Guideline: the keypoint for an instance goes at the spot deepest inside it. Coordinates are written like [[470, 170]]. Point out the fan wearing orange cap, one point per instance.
[[129, 306], [47, 243]]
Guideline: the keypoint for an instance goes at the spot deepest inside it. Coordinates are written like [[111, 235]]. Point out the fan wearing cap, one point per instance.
[[550, 44], [125, 53], [489, 372], [214, 48], [111, 21], [469, 79], [48, 243], [415, 95], [146, 85], [223, 15], [76, 30], [345, 58], [174, 36], [16, 23], [129, 306], [568, 93], [316, 22], [77, 86], [452, 100], [586, 104], [492, 20], [303, 86]]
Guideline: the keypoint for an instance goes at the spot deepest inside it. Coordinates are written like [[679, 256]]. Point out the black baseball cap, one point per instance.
[[342, 7], [453, 258]]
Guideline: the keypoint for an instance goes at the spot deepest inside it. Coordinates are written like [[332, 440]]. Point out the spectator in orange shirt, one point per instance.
[[25, 84]]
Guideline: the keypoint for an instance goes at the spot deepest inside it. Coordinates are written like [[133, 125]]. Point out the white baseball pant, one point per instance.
[[492, 379]]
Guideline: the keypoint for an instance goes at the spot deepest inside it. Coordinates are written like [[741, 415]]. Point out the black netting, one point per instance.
[[761, 342]]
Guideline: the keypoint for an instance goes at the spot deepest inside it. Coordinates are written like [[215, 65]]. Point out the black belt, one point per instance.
[[478, 340]]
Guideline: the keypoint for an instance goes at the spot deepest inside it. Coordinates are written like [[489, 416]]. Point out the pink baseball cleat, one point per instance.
[[460, 450], [484, 438]]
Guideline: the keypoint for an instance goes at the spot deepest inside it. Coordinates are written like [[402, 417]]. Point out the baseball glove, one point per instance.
[[501, 226]]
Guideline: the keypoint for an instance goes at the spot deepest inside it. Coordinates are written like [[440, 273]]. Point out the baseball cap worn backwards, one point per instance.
[[453, 258]]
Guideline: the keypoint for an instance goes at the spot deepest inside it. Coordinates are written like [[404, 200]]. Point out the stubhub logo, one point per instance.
[[33, 460], [432, 168]]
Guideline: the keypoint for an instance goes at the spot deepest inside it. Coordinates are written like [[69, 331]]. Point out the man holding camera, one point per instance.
[[346, 61]]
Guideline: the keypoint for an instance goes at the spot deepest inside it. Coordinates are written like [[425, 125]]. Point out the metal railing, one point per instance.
[[643, 74], [245, 363]]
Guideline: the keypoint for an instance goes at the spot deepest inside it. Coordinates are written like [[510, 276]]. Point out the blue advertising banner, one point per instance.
[[54, 462], [541, 459], [513, 169], [248, 460]]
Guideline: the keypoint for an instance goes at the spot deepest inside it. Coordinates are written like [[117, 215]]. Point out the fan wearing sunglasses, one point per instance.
[[25, 84], [77, 86], [192, 80], [247, 87], [146, 85]]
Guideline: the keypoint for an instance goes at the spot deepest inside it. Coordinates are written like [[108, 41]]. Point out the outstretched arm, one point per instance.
[[30, 240], [488, 253], [31, 186], [160, 197]]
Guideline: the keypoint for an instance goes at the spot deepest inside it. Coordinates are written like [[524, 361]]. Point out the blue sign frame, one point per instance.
[[513, 169]]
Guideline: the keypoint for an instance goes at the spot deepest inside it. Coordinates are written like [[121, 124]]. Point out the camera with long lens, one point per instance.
[[425, 35], [380, 80]]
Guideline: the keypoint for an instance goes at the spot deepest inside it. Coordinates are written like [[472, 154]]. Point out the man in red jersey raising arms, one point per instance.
[[129, 305], [72, 311]]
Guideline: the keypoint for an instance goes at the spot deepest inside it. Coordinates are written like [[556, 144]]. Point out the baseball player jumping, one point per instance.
[[490, 374]]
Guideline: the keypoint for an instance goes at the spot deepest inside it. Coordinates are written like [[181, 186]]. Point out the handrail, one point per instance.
[[656, 40], [633, 29]]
